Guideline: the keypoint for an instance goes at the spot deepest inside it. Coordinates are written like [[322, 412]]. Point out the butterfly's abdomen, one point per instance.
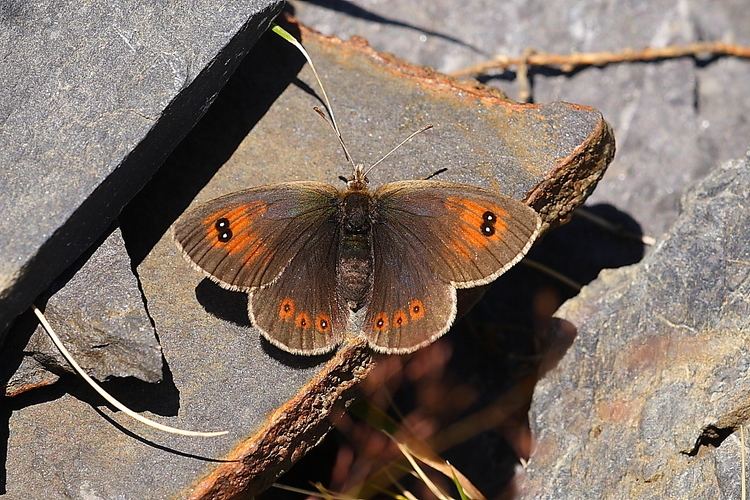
[[355, 250]]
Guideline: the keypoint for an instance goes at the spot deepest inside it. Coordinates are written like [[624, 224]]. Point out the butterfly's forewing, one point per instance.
[[299, 312], [244, 240], [436, 237]]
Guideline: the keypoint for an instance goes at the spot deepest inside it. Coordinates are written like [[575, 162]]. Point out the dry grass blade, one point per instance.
[[108, 397], [426, 480], [426, 455]]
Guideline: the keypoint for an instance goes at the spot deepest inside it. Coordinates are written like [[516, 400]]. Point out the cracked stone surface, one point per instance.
[[93, 97], [220, 374], [674, 120], [99, 314], [649, 400]]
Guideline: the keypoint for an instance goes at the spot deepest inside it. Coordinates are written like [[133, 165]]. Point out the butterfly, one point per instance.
[[321, 263]]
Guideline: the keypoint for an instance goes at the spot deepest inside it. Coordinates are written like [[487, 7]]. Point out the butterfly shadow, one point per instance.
[[231, 306]]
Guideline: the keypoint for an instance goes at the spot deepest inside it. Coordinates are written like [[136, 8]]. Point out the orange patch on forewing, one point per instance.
[[400, 319], [241, 219], [380, 323], [323, 323], [286, 309], [471, 215], [416, 309], [302, 321]]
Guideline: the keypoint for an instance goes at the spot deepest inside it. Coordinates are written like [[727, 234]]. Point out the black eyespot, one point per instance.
[[222, 224], [415, 309], [400, 320], [287, 307], [489, 216], [225, 236], [487, 229], [380, 323], [323, 324]]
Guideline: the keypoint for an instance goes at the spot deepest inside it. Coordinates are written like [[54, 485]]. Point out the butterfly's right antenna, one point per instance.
[[426, 127], [289, 38]]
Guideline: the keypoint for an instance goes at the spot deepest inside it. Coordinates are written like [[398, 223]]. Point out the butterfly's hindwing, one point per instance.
[[300, 311], [408, 307]]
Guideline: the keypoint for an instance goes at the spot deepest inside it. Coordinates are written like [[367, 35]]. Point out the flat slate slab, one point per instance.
[[99, 314], [93, 97], [221, 374], [651, 399]]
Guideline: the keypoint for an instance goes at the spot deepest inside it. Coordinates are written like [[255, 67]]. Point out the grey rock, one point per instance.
[[93, 97], [221, 375], [100, 316], [651, 399], [673, 119]]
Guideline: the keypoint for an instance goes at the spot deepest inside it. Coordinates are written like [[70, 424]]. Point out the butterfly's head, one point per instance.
[[358, 181]]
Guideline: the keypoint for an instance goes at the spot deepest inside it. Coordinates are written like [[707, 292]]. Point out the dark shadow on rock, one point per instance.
[[261, 77], [222, 303], [158, 446], [353, 10], [581, 249], [304, 87], [293, 360], [162, 398], [21, 330], [12, 353]]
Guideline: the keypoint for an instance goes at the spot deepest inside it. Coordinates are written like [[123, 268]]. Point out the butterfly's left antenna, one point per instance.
[[338, 134]]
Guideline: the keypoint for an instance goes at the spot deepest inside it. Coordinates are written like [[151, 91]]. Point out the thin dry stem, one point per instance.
[[569, 62], [551, 272], [614, 228]]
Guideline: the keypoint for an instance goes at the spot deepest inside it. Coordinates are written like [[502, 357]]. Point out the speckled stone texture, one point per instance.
[[649, 401], [93, 97], [220, 374]]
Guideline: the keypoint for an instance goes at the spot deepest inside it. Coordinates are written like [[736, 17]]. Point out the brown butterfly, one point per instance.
[[321, 263]]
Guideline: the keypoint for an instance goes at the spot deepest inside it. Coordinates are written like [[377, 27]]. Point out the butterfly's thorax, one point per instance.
[[355, 249]]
